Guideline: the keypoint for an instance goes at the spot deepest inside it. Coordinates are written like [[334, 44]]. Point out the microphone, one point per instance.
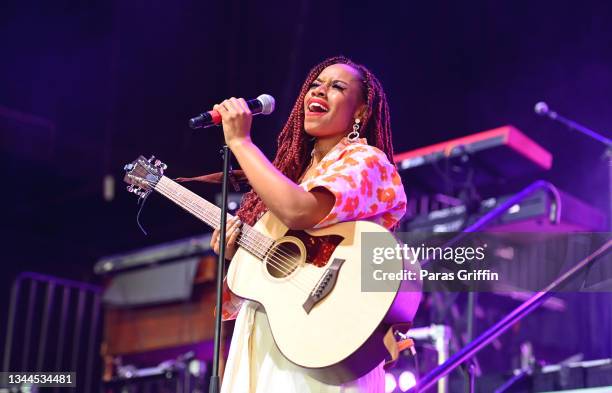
[[263, 104], [541, 108]]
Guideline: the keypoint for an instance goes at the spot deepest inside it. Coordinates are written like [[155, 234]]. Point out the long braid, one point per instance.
[[294, 145]]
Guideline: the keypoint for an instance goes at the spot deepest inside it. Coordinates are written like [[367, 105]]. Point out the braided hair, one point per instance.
[[295, 146]]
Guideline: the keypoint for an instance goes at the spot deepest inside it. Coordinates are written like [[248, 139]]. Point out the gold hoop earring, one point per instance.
[[353, 136]]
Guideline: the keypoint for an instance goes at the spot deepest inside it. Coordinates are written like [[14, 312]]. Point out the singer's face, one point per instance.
[[334, 100]]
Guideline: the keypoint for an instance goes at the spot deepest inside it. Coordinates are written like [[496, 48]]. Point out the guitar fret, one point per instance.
[[249, 238]]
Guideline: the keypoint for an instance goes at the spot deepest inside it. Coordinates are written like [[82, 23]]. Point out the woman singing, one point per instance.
[[333, 164]]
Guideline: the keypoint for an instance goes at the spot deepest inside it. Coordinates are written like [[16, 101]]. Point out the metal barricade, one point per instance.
[[54, 325]]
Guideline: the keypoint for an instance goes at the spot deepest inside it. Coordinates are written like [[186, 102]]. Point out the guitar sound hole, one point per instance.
[[283, 259]]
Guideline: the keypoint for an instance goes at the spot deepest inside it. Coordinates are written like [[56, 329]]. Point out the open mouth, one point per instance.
[[317, 107]]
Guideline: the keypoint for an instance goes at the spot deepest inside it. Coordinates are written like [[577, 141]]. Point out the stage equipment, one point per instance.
[[264, 104], [430, 349], [545, 210], [468, 352], [158, 299], [514, 317], [591, 376], [53, 325], [159, 302], [184, 374], [497, 154], [541, 108], [292, 291], [197, 246]]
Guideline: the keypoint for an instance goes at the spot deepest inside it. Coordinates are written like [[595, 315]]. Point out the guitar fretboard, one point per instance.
[[253, 241]]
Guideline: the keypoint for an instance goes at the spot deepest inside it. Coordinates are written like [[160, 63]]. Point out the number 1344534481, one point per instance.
[[44, 379]]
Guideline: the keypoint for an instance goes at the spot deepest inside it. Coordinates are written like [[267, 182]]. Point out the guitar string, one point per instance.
[[280, 251], [252, 241], [249, 240], [281, 260], [213, 218], [275, 261], [212, 221], [297, 283]]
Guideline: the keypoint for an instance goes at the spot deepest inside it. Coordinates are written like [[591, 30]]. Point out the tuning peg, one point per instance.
[[159, 164], [151, 159], [134, 189], [128, 167]]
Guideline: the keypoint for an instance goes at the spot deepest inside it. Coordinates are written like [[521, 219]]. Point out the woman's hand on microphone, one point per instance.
[[236, 119], [231, 235]]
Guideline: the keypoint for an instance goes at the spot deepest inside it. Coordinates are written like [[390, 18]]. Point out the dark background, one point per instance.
[[87, 86]]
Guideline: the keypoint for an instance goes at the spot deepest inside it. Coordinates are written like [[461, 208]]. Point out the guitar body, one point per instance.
[[310, 288]]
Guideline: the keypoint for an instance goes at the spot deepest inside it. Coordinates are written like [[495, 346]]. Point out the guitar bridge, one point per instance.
[[324, 285]]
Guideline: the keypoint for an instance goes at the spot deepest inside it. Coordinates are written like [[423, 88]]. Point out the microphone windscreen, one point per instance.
[[541, 108], [267, 104]]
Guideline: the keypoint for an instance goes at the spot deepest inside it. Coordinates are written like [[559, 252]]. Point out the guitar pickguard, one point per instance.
[[318, 248]]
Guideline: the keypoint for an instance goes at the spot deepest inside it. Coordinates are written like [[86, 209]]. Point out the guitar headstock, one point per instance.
[[142, 175]]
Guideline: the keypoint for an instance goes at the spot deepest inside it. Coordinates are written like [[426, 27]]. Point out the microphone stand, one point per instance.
[[214, 386], [542, 109]]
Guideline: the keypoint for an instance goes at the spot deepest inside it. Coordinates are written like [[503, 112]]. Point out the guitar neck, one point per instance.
[[250, 239]]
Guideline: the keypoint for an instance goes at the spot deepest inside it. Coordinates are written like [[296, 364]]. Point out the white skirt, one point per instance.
[[255, 365]]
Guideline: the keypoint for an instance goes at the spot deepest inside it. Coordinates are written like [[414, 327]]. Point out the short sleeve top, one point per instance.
[[363, 181], [366, 187]]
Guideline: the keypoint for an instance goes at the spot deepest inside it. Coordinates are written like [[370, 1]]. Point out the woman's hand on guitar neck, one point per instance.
[[231, 235]]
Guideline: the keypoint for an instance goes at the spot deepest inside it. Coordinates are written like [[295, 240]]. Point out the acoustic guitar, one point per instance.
[[309, 282]]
